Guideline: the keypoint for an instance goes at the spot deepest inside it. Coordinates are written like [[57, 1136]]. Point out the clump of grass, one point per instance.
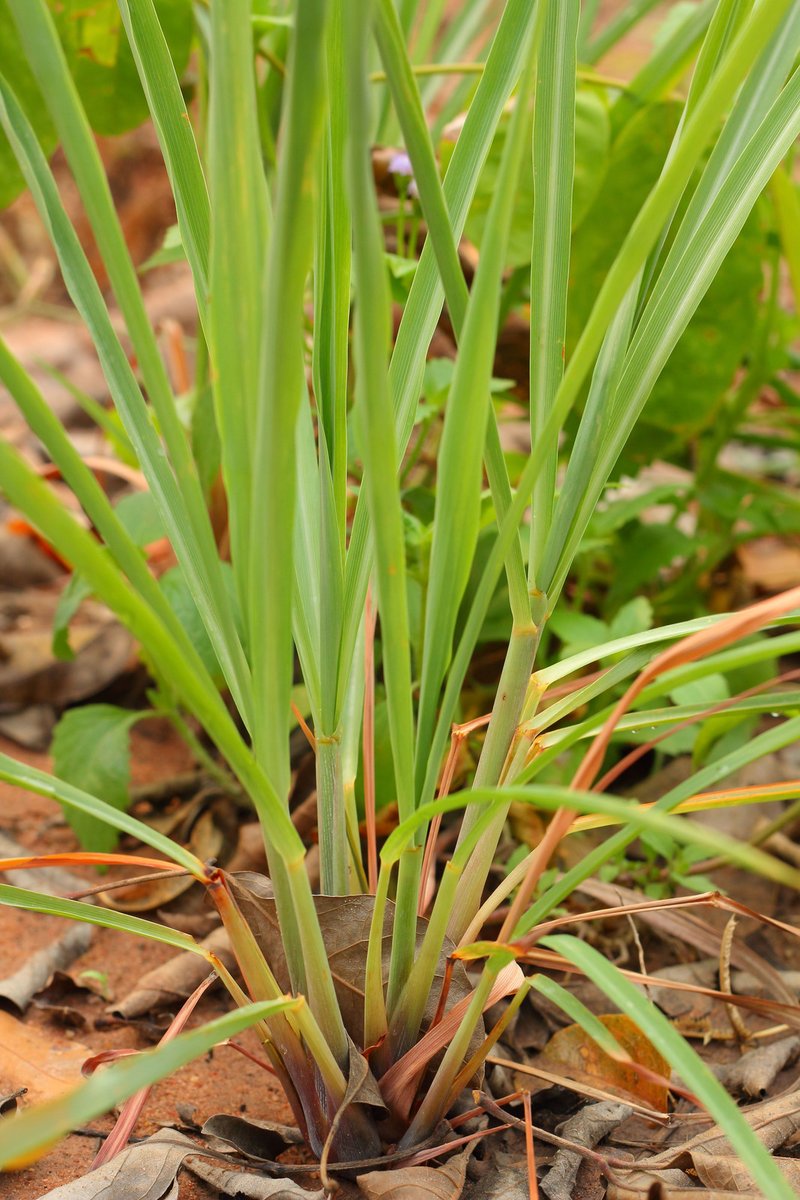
[[273, 227]]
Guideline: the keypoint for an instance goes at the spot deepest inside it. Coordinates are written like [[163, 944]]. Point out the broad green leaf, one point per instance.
[[77, 590], [175, 587], [139, 513], [91, 748], [101, 60]]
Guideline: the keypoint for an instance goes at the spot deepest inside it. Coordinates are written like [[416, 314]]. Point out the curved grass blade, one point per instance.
[[638, 819], [185, 519], [33, 780], [455, 525], [681, 1058], [379, 451], [424, 303], [175, 135], [94, 914], [553, 171], [240, 226]]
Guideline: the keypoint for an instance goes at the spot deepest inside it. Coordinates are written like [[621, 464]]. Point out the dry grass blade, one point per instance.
[[639, 752], [533, 1183], [131, 1110], [695, 932], [706, 641], [581, 1088], [399, 1083]]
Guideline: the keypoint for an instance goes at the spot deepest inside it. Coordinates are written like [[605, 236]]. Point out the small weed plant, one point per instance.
[[308, 408]]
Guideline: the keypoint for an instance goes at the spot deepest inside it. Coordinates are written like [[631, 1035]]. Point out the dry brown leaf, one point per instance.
[[362, 1088], [146, 1171], [174, 980], [755, 1071], [587, 1128], [29, 674], [345, 922], [29, 1059], [263, 1140], [774, 1121], [671, 1185], [770, 563], [245, 1186], [418, 1183], [35, 974], [573, 1053], [727, 1171]]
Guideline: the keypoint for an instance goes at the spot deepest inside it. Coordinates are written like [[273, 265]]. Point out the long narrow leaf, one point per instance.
[[681, 1058], [33, 1132]]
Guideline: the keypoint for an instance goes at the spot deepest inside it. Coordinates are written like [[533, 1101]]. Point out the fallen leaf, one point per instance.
[[29, 674], [695, 932], [35, 974], [575, 1054], [771, 563], [243, 1186], [670, 1184], [755, 1071], [30, 727], [345, 922], [774, 1121], [587, 1128], [726, 1171], [418, 1183], [263, 1140], [146, 1171], [502, 1183], [347, 1140], [205, 825], [174, 980], [8, 1104], [29, 1059]]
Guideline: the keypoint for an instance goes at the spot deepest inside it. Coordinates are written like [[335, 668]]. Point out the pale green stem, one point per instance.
[[333, 848], [433, 1105]]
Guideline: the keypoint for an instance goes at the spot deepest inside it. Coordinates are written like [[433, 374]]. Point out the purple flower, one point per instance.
[[400, 164]]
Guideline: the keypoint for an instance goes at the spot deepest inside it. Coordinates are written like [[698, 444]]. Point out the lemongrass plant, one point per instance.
[[269, 231]]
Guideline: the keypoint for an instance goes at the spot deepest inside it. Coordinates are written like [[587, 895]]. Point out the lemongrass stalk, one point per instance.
[[375, 1019], [406, 1014], [433, 1104]]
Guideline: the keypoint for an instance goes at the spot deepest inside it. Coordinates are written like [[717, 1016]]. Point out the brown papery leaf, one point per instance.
[[418, 1183], [35, 974], [774, 1121], [727, 1171], [345, 922], [146, 1171], [245, 1186], [575, 1054], [174, 980]]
